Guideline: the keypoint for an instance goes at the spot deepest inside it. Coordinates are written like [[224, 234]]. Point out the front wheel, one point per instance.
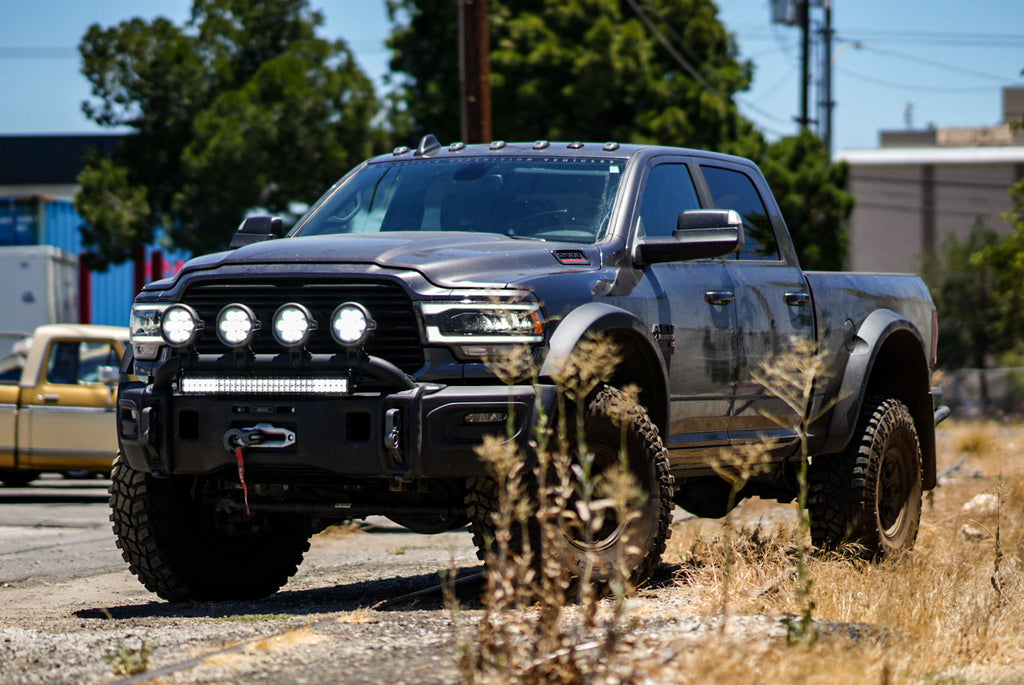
[[182, 548], [631, 549], [871, 494]]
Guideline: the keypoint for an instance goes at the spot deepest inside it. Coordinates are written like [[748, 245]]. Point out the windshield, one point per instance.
[[548, 199]]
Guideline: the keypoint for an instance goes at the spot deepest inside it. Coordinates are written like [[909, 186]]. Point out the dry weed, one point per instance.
[[951, 611]]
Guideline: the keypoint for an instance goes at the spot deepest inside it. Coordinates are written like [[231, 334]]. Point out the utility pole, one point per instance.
[[804, 20], [474, 71], [827, 104]]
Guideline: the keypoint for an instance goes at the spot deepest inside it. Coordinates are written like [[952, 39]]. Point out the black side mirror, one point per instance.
[[700, 233], [256, 229]]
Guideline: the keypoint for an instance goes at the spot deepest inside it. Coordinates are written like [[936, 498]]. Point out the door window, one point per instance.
[[668, 192], [73, 362], [734, 190]]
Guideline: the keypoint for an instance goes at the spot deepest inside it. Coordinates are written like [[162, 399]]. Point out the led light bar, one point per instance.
[[264, 385]]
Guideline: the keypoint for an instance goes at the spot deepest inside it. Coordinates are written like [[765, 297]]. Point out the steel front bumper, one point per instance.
[[424, 431]]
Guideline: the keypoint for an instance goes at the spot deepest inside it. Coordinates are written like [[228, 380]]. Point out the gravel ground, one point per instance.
[[363, 608]]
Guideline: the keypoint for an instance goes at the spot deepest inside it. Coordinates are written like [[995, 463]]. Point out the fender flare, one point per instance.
[[595, 318], [877, 329]]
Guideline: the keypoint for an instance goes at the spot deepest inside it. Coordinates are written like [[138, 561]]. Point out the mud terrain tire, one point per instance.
[[645, 536], [871, 494], [181, 550]]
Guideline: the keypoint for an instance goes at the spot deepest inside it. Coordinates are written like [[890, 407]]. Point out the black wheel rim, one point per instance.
[[893, 490]]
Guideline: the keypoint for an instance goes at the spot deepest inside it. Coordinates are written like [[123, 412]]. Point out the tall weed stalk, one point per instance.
[[530, 631]]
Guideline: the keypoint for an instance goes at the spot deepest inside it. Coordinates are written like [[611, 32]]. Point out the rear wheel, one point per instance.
[[871, 494], [182, 548], [632, 548]]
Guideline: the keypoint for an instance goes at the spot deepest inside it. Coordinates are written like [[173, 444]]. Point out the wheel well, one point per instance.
[[640, 367], [900, 369]]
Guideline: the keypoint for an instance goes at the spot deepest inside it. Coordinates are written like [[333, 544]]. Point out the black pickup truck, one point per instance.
[[341, 370]]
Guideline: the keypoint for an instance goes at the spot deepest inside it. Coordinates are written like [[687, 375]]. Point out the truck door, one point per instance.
[[68, 418], [693, 319], [773, 304], [8, 412]]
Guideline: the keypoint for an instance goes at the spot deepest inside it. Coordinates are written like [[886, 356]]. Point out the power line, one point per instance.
[[933, 63], [914, 87], [689, 68], [995, 40]]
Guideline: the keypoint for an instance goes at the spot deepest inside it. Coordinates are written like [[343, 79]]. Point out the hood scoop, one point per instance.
[[572, 257]]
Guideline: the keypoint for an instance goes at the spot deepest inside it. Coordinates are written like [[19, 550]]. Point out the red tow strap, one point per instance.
[[240, 458]]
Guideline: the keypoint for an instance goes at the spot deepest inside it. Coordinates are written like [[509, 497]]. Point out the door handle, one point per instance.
[[797, 299], [50, 399], [719, 296]]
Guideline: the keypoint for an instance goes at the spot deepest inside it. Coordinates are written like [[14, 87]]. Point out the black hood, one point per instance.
[[447, 259]]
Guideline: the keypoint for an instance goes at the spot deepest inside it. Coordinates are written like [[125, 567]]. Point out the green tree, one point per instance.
[[1006, 262], [243, 106], [581, 70], [963, 297], [811, 193]]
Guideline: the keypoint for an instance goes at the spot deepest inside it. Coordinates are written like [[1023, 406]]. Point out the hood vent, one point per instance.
[[572, 257]]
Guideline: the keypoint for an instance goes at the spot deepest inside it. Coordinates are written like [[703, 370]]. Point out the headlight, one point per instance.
[[237, 325], [180, 325], [144, 330], [483, 323], [293, 324], [351, 324]]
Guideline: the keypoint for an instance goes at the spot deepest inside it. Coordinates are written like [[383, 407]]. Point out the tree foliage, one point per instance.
[[1006, 262], [811, 193], [963, 296], [243, 106], [580, 70]]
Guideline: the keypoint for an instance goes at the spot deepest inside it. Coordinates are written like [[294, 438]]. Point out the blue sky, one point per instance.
[[942, 62]]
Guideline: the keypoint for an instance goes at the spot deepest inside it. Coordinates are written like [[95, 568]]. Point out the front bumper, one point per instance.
[[425, 431]]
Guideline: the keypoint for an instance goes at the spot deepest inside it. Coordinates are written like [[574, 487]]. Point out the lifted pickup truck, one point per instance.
[[340, 370], [57, 402]]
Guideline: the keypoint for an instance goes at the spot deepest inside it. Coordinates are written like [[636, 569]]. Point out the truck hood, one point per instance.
[[449, 259]]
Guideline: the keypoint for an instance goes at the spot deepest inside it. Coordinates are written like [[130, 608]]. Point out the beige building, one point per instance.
[[921, 186]]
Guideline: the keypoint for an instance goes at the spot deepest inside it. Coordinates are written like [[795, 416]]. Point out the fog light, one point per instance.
[[351, 324], [236, 325], [180, 325], [293, 325]]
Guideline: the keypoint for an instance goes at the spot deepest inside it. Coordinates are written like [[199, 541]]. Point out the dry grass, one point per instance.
[[951, 611]]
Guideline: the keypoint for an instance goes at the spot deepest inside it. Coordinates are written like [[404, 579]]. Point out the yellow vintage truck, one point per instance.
[[57, 400]]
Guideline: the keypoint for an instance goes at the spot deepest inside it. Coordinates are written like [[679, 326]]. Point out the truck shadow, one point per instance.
[[409, 593], [422, 592]]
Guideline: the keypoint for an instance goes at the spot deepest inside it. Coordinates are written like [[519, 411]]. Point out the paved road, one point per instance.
[[54, 530]]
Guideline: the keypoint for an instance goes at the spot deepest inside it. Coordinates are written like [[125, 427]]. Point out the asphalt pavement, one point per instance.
[[56, 529]]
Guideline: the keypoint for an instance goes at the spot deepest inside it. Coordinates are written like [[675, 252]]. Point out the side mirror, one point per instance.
[[700, 233], [108, 375], [256, 229]]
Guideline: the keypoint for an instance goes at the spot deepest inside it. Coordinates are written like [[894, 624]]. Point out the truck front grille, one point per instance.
[[397, 338]]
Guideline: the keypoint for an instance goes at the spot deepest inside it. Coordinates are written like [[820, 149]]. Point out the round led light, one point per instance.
[[293, 324], [179, 325], [351, 324], [236, 325]]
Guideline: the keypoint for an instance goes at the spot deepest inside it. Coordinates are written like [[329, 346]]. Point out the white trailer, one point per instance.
[[38, 285]]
